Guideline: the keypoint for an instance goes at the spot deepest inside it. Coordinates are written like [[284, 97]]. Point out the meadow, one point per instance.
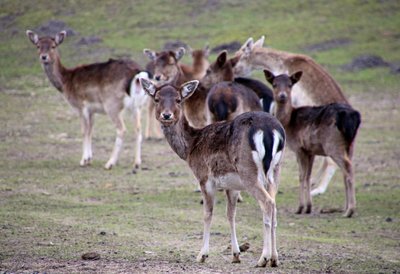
[[52, 211]]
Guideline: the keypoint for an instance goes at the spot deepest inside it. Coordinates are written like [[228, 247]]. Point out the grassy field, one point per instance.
[[52, 211]]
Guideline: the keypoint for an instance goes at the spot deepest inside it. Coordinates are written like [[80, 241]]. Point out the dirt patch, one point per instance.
[[89, 40], [174, 45], [328, 45], [365, 61]]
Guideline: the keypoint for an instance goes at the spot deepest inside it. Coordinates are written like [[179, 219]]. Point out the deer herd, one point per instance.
[[229, 128]]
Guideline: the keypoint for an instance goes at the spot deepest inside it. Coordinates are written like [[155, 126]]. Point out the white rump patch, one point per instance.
[[276, 156], [138, 97], [258, 156]]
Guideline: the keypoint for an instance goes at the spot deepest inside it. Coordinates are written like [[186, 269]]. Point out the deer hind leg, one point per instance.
[[116, 118], [232, 197], [87, 129], [208, 191], [324, 176], [305, 162], [138, 142], [346, 167]]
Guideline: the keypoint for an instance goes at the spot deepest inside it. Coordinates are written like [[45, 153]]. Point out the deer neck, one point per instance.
[[199, 66], [180, 137], [56, 73], [284, 112]]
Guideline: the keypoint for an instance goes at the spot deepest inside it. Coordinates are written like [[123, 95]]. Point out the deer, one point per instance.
[[228, 96], [242, 154], [328, 130], [317, 87], [104, 88], [168, 70]]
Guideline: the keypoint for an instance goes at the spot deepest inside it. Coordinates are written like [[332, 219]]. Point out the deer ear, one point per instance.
[[148, 87], [60, 37], [221, 59], [206, 50], [296, 77], [234, 60], [150, 54], [32, 36], [188, 88], [248, 46], [179, 53], [259, 43], [269, 76]]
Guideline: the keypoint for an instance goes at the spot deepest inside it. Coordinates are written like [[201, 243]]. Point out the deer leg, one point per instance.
[[208, 191], [272, 191], [305, 166], [87, 126], [324, 176], [138, 143], [119, 124], [232, 197], [345, 165]]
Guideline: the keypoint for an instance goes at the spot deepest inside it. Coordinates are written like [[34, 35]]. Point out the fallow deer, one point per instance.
[[317, 87], [242, 154], [94, 88], [168, 70], [328, 130]]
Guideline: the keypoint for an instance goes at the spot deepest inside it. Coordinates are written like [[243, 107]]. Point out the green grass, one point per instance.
[[52, 211]]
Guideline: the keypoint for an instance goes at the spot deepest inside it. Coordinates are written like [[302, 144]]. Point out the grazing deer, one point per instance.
[[242, 154], [94, 88], [316, 87], [328, 130]]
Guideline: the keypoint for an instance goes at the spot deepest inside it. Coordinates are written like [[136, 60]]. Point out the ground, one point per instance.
[[52, 211]]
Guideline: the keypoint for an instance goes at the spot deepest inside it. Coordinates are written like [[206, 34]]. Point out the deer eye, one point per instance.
[[178, 101], [274, 85], [208, 71], [156, 100]]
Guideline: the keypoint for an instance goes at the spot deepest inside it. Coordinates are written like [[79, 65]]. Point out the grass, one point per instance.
[[52, 211]]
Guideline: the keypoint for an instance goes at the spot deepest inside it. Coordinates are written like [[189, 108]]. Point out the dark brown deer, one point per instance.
[[328, 130], [316, 87], [90, 89], [242, 154]]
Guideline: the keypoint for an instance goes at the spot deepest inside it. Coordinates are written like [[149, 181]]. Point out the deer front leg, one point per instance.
[[208, 191], [138, 143], [87, 126], [232, 198], [119, 124]]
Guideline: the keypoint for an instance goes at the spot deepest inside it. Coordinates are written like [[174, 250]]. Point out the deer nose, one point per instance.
[[167, 116], [157, 77], [44, 57], [282, 96]]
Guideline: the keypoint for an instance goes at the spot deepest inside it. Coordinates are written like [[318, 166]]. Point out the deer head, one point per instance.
[[282, 85], [47, 46]]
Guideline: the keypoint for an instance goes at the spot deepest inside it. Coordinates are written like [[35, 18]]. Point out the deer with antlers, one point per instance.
[[96, 88]]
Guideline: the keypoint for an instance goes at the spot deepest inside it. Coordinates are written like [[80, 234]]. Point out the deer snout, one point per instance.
[[282, 96], [167, 116], [44, 58], [157, 77]]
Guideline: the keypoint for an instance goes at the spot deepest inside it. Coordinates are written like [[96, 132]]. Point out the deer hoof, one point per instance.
[[85, 162], [262, 262], [274, 262], [202, 258], [236, 259], [300, 210], [108, 166], [308, 209], [349, 213]]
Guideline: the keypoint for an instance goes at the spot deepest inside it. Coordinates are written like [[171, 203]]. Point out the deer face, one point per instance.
[[282, 85], [169, 100], [47, 46], [218, 71], [244, 64], [166, 67]]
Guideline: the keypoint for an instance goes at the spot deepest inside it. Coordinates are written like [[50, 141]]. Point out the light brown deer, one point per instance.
[[328, 130], [90, 89], [316, 87], [242, 154], [168, 70]]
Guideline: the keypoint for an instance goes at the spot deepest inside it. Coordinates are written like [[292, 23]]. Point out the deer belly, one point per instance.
[[228, 181]]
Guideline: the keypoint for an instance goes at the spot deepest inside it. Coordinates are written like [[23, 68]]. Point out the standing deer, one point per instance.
[[173, 72], [94, 88], [317, 87], [242, 154], [328, 130]]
